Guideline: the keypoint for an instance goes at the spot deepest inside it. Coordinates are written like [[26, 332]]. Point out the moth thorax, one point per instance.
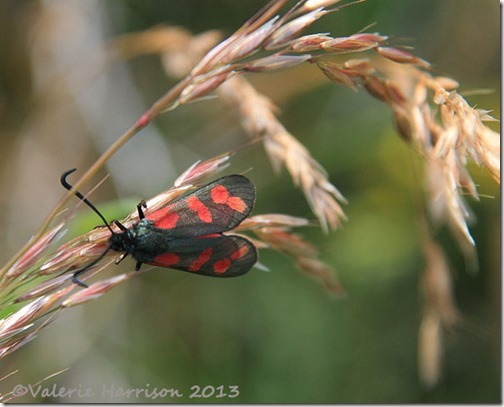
[[122, 242]]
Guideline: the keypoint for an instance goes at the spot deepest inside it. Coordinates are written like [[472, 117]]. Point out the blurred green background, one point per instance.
[[277, 336]]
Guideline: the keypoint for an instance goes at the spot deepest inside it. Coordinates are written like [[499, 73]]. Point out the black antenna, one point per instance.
[[65, 184]]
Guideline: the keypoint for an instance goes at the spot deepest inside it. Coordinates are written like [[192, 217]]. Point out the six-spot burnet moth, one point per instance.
[[187, 234]]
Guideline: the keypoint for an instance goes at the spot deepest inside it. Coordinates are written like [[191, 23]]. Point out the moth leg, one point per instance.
[[138, 265], [141, 205], [120, 225], [76, 274], [121, 258], [76, 280]]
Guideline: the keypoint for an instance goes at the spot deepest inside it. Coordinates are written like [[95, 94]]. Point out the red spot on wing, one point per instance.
[[210, 235], [221, 266], [164, 218], [242, 251], [236, 203], [169, 221], [220, 195], [202, 259], [167, 259], [199, 207]]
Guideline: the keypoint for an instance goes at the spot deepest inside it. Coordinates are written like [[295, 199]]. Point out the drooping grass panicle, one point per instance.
[[440, 314]]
